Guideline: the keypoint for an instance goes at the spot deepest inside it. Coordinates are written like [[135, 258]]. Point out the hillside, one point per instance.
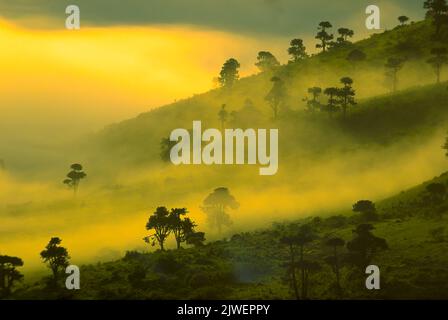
[[136, 141], [387, 142], [252, 265]]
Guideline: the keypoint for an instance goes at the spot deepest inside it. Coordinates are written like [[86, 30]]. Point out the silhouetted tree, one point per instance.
[[367, 210], [223, 115], [324, 37], [56, 257], [290, 241], [394, 65], [440, 57], [229, 73], [307, 267], [181, 227], [347, 94], [344, 34], [334, 260], [403, 20], [297, 50], [277, 96], [314, 103], [364, 245], [305, 235], [437, 11], [74, 177], [266, 61], [9, 274], [216, 204], [333, 100], [160, 222]]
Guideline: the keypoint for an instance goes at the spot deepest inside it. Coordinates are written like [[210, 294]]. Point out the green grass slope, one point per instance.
[[251, 265], [137, 141]]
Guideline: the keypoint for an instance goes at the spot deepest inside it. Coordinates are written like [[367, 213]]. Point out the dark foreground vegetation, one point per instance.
[[313, 258], [319, 257]]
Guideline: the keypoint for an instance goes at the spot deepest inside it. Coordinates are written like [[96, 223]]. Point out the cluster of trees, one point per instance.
[[359, 253], [437, 10], [54, 255], [164, 222], [266, 61], [326, 39], [339, 98], [439, 57]]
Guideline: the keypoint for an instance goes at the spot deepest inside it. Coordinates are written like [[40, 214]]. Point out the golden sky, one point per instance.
[[105, 74]]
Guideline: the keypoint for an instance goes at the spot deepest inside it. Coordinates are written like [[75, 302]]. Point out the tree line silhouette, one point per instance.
[[360, 251], [338, 98]]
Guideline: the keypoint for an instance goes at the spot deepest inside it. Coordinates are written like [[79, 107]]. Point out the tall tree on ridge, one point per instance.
[[56, 256], [324, 37], [297, 50], [229, 73], [344, 34]]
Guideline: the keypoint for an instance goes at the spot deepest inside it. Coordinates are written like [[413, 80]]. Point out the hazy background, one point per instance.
[[132, 56], [60, 87]]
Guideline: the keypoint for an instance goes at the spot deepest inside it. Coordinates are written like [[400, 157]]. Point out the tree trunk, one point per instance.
[[438, 74], [303, 273], [305, 285], [55, 275], [2, 276], [395, 82], [293, 272], [336, 269]]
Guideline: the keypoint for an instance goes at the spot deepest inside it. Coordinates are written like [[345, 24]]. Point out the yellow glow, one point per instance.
[[112, 73]]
